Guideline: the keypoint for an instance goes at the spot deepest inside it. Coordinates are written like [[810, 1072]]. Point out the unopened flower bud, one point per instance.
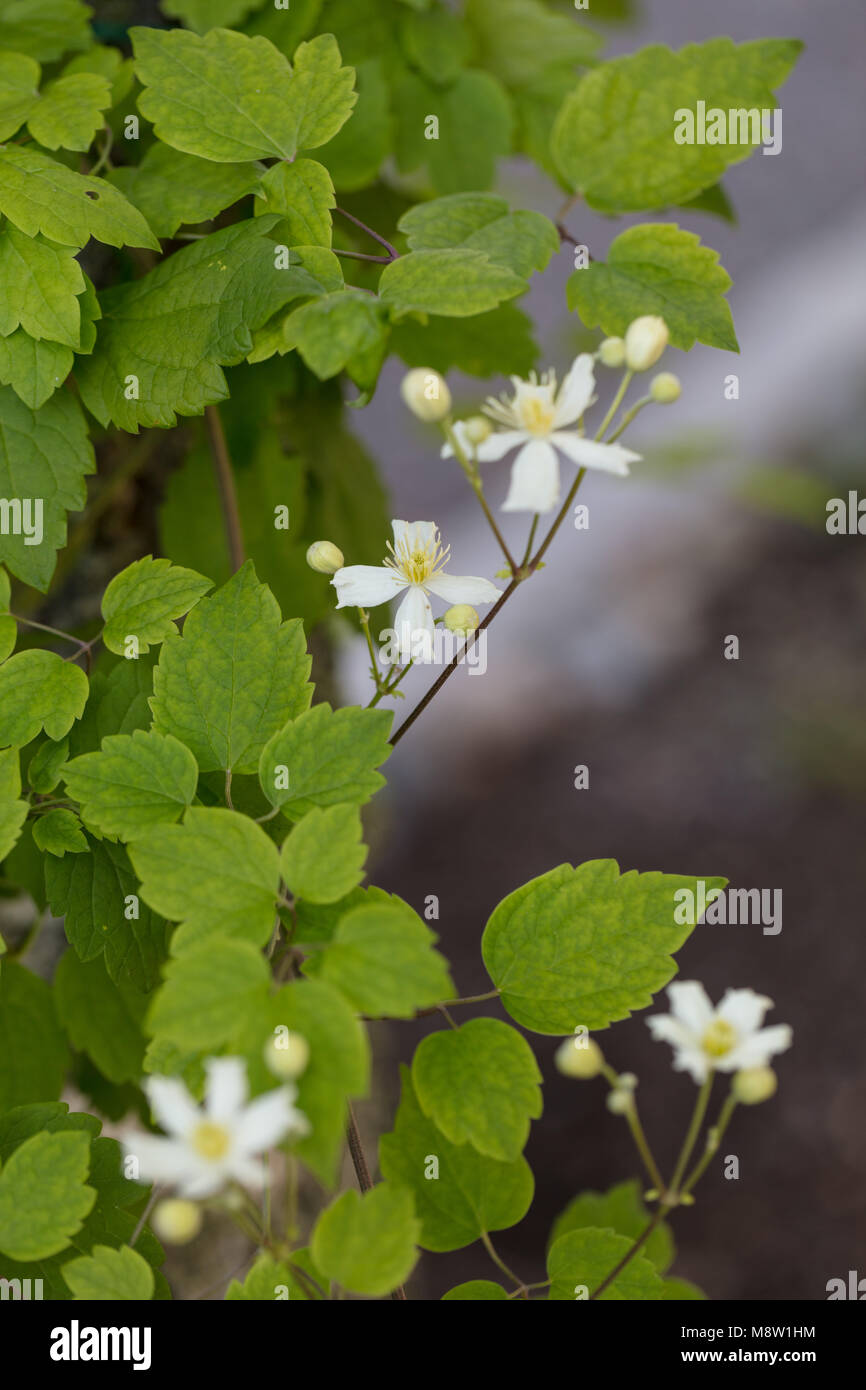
[[612, 352], [462, 619], [476, 429], [754, 1084], [580, 1058], [426, 394], [618, 1101], [324, 557], [287, 1055], [176, 1221], [645, 341], [665, 388]]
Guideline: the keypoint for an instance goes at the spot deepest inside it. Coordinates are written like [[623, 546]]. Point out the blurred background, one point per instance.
[[613, 657]]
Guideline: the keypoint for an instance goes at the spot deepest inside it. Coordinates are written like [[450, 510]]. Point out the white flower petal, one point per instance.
[[691, 1006], [534, 479], [462, 588], [688, 1055], [206, 1179], [575, 393], [744, 1009], [366, 586], [496, 445], [414, 535], [459, 428], [226, 1090], [414, 621], [264, 1123], [757, 1049], [159, 1160], [173, 1107], [249, 1172], [589, 453]]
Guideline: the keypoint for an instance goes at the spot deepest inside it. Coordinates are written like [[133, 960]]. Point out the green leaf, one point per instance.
[[45, 29], [217, 874], [228, 97], [680, 1290], [164, 338], [619, 1209], [31, 1043], [348, 330], [19, 83], [584, 945], [326, 758], [270, 1280], [476, 1290], [59, 832], [323, 858], [235, 676], [8, 625], [43, 1196], [303, 195], [479, 1085], [143, 599], [203, 15], [98, 895], [436, 42], [110, 1275], [356, 153], [367, 1244], [69, 111], [101, 1018], [579, 1262], [657, 268], [456, 282], [13, 812], [34, 369], [381, 958], [172, 189], [523, 241], [39, 690], [43, 772], [209, 990], [338, 1069], [137, 780], [476, 102], [40, 195], [498, 343], [117, 704], [614, 139], [464, 1194], [714, 200], [44, 454], [518, 39]]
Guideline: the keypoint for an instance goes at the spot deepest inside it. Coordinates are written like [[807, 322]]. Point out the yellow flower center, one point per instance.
[[537, 414], [210, 1140], [421, 562], [719, 1039]]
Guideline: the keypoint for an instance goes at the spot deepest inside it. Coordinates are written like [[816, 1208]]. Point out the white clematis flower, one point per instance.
[[217, 1143], [536, 421], [729, 1038], [416, 564]]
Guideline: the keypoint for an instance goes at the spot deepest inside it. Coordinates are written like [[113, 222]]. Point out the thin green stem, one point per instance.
[[658, 1216], [697, 1119], [615, 403], [629, 416], [530, 539], [225, 482], [364, 617], [471, 470], [714, 1139], [500, 1264], [642, 1146], [105, 152], [54, 631]]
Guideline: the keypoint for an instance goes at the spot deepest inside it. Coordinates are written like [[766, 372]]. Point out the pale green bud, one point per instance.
[[462, 619], [176, 1221], [612, 352], [581, 1058], [426, 394], [286, 1055], [665, 388], [754, 1085], [645, 341], [477, 428], [619, 1101], [324, 557]]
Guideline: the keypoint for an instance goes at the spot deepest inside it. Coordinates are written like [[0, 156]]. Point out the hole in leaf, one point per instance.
[[91, 193]]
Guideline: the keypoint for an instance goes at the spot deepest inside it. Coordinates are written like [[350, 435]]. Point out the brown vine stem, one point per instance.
[[225, 482], [393, 253], [362, 1172], [630, 1254]]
